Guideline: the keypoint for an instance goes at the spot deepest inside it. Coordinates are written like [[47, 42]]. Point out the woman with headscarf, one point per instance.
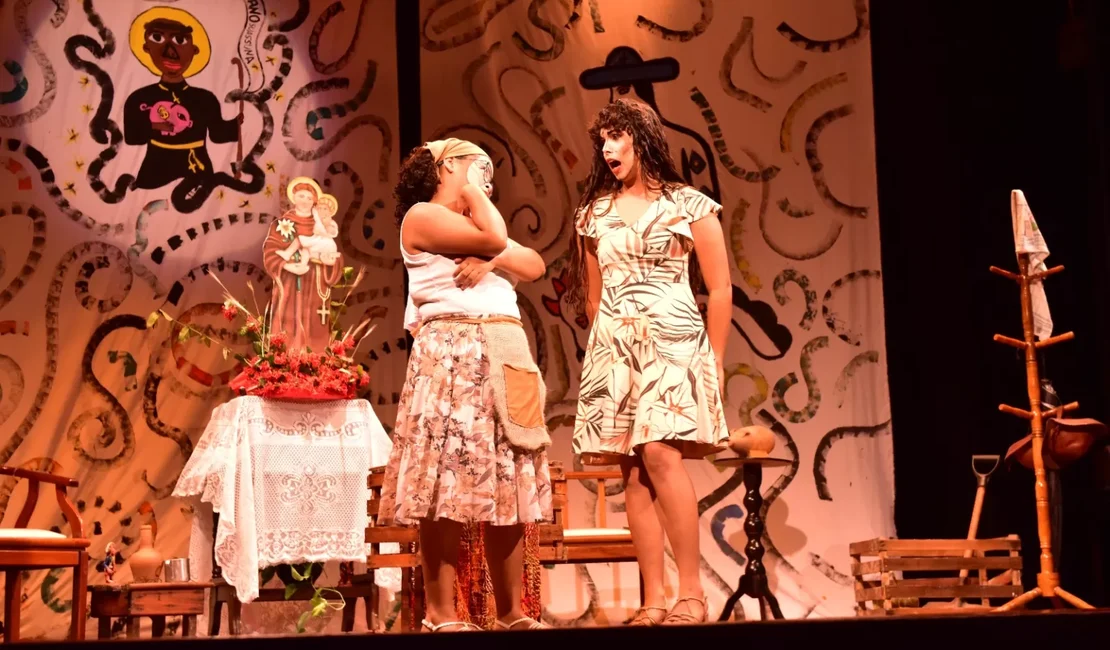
[[470, 441]]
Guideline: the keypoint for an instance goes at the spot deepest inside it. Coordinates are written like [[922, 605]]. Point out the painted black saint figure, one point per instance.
[[173, 119]]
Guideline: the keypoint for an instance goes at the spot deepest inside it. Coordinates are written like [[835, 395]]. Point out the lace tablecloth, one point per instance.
[[288, 480]]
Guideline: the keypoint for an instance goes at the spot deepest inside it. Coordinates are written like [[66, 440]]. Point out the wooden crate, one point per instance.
[[993, 572]]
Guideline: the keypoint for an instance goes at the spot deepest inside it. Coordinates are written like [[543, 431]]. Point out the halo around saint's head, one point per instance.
[[330, 201], [302, 180], [137, 38]]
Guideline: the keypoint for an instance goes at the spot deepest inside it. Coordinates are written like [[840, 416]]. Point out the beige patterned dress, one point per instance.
[[649, 373]]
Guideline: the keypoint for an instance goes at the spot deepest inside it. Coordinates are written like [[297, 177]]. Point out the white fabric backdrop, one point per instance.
[[770, 111], [787, 146], [86, 389]]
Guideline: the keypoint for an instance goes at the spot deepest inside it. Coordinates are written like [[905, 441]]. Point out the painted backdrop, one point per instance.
[[124, 188], [768, 109]]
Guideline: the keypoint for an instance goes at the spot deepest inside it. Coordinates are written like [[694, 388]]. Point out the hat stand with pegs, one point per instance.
[[1048, 580]]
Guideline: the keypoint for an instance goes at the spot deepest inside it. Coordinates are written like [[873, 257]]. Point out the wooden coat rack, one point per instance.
[[1048, 580]]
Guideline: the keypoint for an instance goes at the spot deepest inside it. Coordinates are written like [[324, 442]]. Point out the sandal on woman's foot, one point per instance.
[[462, 627], [643, 616], [523, 623], [687, 617]]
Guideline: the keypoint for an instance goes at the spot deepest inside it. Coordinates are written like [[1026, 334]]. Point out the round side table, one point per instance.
[[754, 581]]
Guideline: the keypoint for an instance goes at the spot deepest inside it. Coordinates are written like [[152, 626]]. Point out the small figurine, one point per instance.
[[109, 562]]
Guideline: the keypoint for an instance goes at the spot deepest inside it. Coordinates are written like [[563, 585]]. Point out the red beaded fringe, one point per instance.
[[474, 587]]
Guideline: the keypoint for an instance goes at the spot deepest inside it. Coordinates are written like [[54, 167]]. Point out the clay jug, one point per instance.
[[146, 563]]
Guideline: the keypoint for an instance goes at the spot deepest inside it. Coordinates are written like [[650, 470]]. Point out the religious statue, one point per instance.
[[300, 349], [301, 256]]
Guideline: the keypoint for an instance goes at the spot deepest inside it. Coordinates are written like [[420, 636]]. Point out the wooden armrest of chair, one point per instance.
[[32, 475], [60, 484], [597, 475], [44, 549]]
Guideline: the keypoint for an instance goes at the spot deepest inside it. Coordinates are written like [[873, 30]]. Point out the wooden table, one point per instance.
[[754, 581], [154, 599], [294, 471]]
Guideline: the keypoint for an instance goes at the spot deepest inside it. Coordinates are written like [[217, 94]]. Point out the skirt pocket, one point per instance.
[[518, 388], [523, 396]]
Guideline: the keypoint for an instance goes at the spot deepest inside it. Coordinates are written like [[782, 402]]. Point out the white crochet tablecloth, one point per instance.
[[288, 480]]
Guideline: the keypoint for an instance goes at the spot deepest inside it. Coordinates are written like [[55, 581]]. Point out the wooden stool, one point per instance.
[[154, 599]]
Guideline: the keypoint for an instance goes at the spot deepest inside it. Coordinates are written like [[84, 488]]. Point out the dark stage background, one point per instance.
[[973, 100]]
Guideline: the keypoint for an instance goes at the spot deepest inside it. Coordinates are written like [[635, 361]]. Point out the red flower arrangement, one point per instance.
[[274, 370], [300, 374]]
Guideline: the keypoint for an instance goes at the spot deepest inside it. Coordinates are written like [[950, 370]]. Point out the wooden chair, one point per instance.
[[407, 560], [562, 544], [23, 548]]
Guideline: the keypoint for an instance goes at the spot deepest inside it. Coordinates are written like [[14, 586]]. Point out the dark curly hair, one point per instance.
[[649, 142], [417, 181]]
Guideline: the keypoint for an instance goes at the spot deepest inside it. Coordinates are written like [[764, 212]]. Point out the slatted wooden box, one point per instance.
[[993, 573]]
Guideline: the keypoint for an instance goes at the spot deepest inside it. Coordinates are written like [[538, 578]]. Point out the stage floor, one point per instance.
[[1043, 629]]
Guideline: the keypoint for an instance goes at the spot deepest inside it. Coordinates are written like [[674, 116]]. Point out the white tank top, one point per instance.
[[432, 291]]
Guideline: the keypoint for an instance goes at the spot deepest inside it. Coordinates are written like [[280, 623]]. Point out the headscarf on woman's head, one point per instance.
[[453, 148]]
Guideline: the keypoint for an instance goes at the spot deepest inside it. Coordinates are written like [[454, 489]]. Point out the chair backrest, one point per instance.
[[602, 477], [558, 494], [377, 535], [60, 483], [560, 504]]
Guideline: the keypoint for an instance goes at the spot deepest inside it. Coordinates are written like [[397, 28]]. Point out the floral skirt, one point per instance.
[[451, 459]]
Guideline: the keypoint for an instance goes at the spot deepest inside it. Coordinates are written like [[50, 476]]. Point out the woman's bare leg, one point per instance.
[[647, 531], [675, 493], [439, 551], [505, 559]]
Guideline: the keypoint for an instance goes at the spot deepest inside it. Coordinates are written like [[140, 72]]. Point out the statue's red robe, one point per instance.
[[298, 306]]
